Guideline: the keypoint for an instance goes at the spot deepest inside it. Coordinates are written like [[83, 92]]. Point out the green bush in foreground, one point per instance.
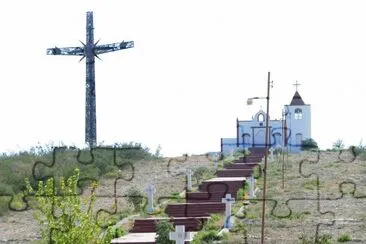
[[162, 232], [72, 224], [210, 230]]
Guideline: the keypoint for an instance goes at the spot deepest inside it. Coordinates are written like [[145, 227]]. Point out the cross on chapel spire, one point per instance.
[[296, 84]]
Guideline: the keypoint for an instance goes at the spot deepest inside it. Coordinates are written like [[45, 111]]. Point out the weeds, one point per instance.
[[344, 238]]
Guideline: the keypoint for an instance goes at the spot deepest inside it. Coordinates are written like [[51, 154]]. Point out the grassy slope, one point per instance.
[[283, 226]]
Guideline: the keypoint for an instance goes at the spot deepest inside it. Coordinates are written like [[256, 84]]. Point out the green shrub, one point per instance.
[[338, 145], [112, 174], [115, 232], [324, 239], [72, 224], [215, 222], [240, 153], [344, 238], [227, 163], [202, 173], [362, 156], [309, 144], [163, 228], [207, 236], [4, 205], [176, 196], [135, 197]]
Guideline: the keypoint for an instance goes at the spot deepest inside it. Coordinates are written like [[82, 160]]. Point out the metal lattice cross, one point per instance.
[[89, 51]]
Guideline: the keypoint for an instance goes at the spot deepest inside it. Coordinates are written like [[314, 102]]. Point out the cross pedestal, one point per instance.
[[150, 190], [228, 200], [180, 235]]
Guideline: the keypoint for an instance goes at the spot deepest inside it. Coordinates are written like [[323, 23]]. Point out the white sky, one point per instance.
[[193, 66]]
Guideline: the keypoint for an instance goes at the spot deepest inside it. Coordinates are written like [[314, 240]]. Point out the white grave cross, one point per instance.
[[228, 200], [216, 160], [180, 235], [189, 180], [271, 154], [150, 190], [251, 187]]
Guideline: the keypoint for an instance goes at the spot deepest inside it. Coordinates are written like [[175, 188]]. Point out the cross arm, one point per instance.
[[75, 51], [113, 47]]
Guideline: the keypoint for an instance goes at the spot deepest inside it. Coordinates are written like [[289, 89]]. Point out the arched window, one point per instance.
[[298, 113], [260, 118]]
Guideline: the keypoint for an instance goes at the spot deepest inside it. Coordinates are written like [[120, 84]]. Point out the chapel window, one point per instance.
[[298, 113], [260, 117]]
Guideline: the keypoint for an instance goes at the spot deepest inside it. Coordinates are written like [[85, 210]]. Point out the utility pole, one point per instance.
[[265, 161]]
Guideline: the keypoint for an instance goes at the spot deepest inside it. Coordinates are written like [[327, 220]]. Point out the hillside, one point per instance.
[[21, 226], [292, 223]]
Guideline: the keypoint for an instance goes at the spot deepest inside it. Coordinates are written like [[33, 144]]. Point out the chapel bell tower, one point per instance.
[[298, 121]]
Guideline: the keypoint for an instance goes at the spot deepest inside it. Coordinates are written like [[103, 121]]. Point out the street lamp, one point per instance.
[[250, 102]]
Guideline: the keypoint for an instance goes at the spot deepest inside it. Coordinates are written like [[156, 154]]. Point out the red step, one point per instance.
[[241, 166], [249, 159], [226, 184], [149, 224], [199, 197], [258, 151], [194, 209], [234, 173]]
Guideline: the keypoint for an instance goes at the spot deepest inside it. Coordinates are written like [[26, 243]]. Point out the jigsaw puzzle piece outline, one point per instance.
[[353, 151], [178, 161], [343, 193], [91, 152]]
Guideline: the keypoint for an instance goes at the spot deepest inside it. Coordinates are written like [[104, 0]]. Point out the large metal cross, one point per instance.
[[89, 51]]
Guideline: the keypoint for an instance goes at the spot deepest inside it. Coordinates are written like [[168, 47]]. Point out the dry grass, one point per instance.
[[287, 223]]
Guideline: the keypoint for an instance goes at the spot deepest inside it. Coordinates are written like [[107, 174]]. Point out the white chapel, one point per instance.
[[288, 132]]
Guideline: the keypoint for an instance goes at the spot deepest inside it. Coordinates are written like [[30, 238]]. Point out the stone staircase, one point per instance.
[[199, 205]]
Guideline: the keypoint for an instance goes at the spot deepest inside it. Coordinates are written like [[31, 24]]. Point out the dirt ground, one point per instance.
[[20, 227]]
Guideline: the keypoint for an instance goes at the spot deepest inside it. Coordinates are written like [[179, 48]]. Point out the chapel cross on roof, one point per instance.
[[297, 84]]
